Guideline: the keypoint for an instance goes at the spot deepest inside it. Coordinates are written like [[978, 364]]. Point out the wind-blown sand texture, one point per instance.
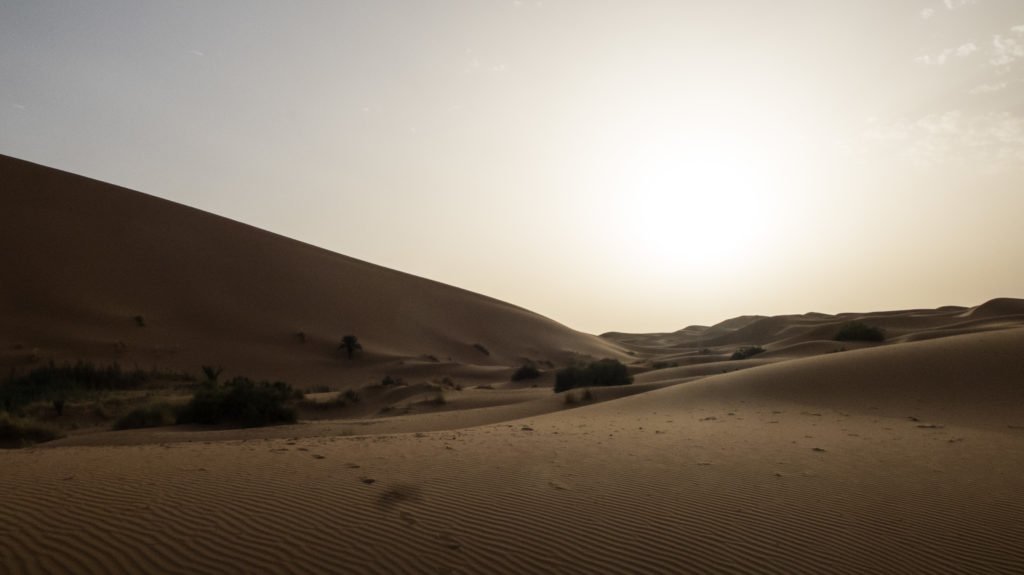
[[901, 457]]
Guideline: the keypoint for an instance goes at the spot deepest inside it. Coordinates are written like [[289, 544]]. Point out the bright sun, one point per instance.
[[701, 200]]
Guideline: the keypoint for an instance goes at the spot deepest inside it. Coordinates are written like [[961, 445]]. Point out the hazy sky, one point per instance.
[[615, 165]]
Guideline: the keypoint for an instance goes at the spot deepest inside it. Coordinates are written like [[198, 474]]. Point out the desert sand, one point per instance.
[[815, 456]]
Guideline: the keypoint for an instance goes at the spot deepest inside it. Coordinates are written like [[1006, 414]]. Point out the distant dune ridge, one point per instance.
[[812, 456], [82, 259]]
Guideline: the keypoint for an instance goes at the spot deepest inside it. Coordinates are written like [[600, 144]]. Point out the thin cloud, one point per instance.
[[1005, 50], [994, 139], [989, 88], [939, 59]]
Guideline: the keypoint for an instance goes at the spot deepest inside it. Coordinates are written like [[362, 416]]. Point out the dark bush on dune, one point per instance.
[[242, 402], [23, 433], [526, 372], [61, 382], [859, 331], [598, 373], [745, 352], [148, 416]]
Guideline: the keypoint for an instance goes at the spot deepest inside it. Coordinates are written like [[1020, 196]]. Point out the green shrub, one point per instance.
[[859, 331], [597, 373], [746, 352], [242, 402], [526, 372], [157, 415], [16, 433]]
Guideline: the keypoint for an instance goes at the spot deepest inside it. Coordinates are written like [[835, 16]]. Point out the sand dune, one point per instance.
[[90, 257], [904, 458], [815, 456]]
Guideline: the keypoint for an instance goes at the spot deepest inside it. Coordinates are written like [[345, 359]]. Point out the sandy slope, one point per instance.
[[900, 459], [82, 258]]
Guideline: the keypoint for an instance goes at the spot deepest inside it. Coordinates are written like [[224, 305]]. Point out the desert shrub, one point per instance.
[[58, 406], [350, 396], [595, 374], [526, 371], [23, 432], [350, 344], [140, 321], [241, 401], [480, 347], [572, 398], [859, 331], [746, 352], [664, 364], [54, 381], [212, 373], [157, 415], [389, 381]]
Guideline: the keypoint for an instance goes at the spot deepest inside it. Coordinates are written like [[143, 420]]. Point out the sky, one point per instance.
[[616, 165]]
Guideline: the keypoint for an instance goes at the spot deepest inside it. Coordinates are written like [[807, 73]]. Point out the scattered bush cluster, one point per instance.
[[859, 331], [526, 372], [241, 401], [747, 352], [597, 373], [149, 416], [22, 433], [58, 382]]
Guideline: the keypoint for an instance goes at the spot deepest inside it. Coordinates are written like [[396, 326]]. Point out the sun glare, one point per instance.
[[699, 201]]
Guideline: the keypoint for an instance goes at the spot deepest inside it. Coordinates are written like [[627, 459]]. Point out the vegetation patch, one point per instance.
[[351, 345], [157, 415], [15, 433], [747, 352], [243, 402], [572, 398], [57, 383], [526, 371], [860, 331], [600, 373]]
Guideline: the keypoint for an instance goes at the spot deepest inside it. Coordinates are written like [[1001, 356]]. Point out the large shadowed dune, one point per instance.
[[83, 258]]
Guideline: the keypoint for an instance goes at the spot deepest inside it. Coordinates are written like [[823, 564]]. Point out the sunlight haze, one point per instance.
[[616, 166]]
